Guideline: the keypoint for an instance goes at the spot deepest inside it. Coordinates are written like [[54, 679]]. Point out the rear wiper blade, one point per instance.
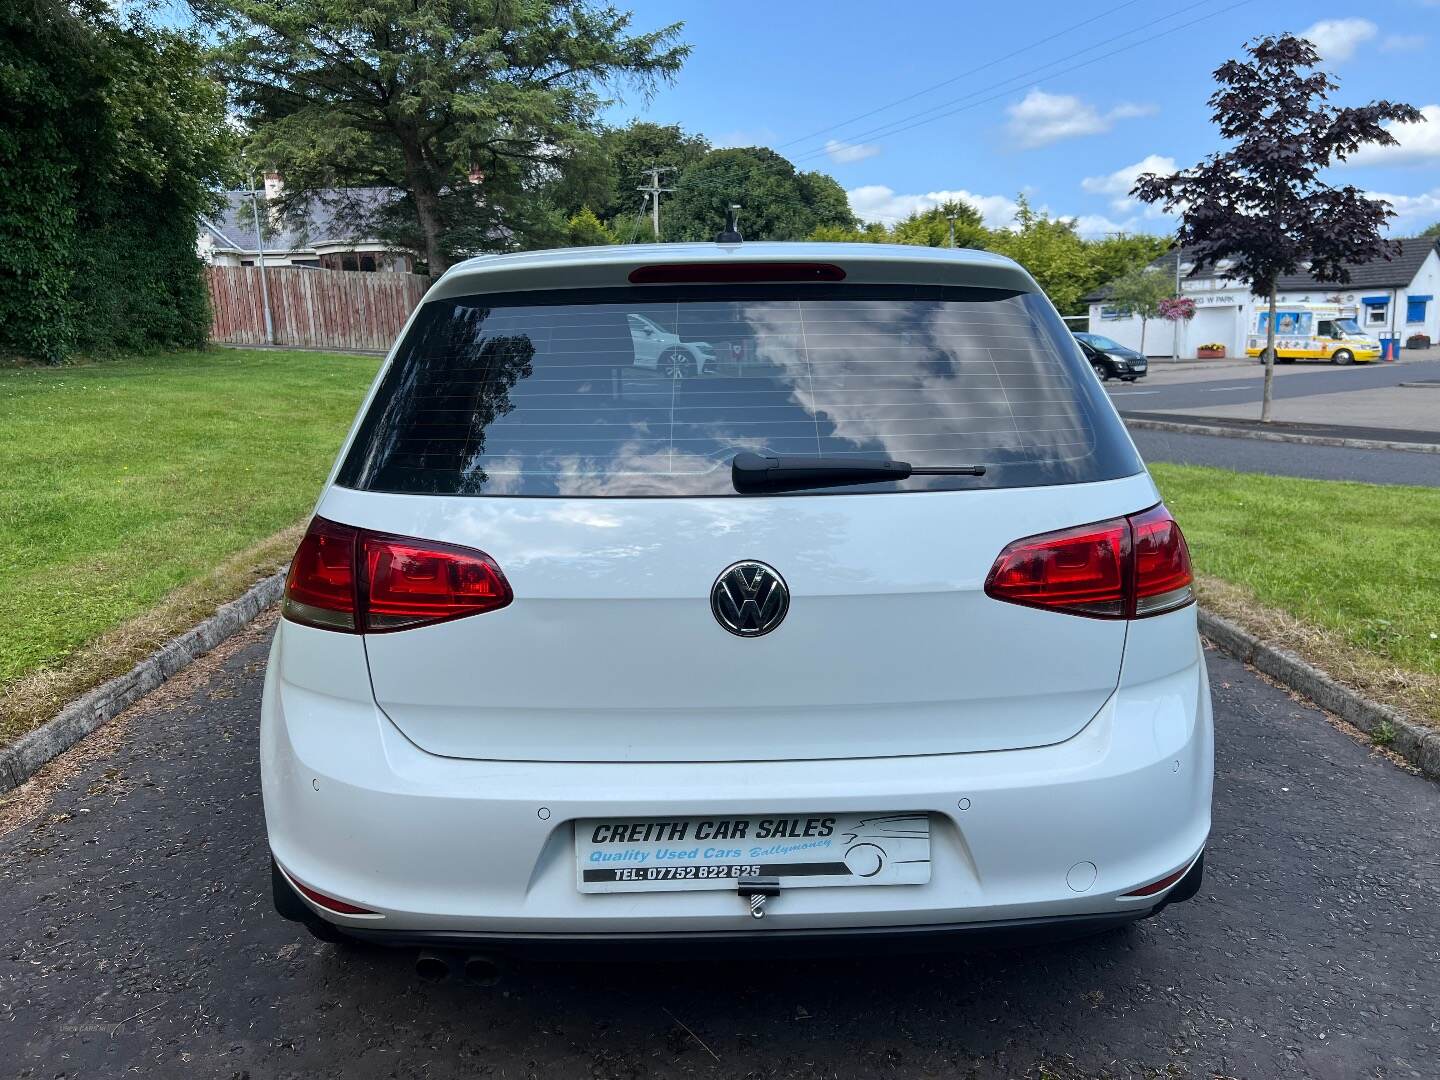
[[753, 473]]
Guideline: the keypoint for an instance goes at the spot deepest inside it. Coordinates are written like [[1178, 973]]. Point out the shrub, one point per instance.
[[111, 139]]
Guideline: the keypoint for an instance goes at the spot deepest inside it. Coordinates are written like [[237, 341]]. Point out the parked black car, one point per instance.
[[1111, 359]]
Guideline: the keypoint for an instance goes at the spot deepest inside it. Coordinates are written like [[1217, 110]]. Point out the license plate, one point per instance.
[[800, 850]]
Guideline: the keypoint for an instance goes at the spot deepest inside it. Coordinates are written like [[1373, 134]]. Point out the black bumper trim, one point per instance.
[[812, 941]]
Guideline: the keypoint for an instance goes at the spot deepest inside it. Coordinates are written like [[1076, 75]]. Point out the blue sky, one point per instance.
[[799, 76]]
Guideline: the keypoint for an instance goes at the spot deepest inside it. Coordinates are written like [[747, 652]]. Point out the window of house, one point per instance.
[[349, 262], [367, 262], [1375, 315], [1415, 308]]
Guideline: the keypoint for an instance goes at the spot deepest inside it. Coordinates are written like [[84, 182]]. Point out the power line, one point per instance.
[[636, 220], [963, 75], [1027, 79]]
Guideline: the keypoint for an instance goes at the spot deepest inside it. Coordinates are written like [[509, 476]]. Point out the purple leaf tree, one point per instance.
[[1261, 203]]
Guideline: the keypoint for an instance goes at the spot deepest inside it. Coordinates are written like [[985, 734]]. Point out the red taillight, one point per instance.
[[1125, 568], [362, 582], [1080, 570], [1162, 563], [734, 273], [320, 590], [410, 582]]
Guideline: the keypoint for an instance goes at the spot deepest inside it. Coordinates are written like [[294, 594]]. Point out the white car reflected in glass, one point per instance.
[[662, 351]]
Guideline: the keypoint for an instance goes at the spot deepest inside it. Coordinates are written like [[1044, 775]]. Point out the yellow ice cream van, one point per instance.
[[1313, 332]]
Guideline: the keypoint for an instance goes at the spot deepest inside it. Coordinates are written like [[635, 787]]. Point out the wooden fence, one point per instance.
[[315, 309]]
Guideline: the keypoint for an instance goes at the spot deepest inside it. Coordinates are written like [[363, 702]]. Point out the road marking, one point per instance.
[[1223, 389], [1132, 393]]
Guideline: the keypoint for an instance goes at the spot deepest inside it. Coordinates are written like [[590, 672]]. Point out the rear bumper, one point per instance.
[[481, 852], [724, 945]]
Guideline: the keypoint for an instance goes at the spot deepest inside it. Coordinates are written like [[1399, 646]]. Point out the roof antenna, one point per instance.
[[731, 233]]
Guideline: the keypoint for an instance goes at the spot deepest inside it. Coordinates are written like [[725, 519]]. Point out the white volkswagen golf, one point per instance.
[[876, 628]]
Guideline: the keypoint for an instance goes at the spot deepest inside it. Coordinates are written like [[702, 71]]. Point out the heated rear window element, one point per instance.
[[652, 391]]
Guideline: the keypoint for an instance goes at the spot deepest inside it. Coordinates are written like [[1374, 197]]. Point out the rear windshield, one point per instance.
[[652, 391]]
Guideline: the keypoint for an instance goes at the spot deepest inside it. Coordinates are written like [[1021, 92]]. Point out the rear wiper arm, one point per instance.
[[754, 473]]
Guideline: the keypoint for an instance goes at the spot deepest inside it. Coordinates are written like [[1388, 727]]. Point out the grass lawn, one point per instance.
[[125, 480], [1346, 574]]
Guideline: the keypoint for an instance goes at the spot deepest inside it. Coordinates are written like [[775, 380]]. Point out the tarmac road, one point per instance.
[[139, 939], [1290, 459], [1234, 386]]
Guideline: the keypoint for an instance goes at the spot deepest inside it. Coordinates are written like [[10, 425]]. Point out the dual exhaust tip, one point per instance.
[[477, 968]]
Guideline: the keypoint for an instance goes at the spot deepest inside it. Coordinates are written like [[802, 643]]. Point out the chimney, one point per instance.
[[273, 186]]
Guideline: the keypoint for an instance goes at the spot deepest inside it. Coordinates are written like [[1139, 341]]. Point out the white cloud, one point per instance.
[[1337, 39], [1117, 184], [843, 153], [1091, 226], [1128, 110], [1412, 212], [1403, 42], [1418, 142], [1040, 118], [876, 202]]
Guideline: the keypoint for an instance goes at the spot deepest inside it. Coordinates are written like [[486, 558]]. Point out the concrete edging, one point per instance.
[[20, 760], [1277, 436], [1415, 743]]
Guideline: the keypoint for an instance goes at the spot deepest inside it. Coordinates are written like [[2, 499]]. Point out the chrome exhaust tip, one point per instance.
[[432, 967], [482, 970]]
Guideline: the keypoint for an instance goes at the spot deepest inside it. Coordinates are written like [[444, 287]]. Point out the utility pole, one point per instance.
[[951, 218], [1175, 340], [255, 197], [653, 192]]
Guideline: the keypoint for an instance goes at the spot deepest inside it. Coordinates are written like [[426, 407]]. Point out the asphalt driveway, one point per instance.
[[1290, 459], [1168, 388], [138, 938]]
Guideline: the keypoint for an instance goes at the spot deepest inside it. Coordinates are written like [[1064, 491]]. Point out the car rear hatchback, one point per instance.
[[592, 642]]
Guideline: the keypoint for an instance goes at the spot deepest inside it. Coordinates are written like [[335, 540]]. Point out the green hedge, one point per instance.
[[111, 140]]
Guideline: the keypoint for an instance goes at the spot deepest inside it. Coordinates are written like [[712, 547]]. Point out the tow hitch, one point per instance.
[[757, 890]]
